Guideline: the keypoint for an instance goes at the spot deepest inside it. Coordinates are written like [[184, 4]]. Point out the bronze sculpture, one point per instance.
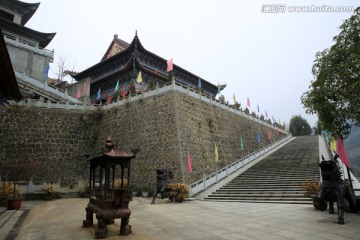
[[164, 177], [334, 189]]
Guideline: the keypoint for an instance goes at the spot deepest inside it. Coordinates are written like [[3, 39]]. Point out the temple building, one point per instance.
[[27, 50], [118, 72]]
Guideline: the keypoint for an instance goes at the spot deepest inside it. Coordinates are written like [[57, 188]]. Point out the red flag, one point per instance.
[[84, 87], [269, 134], [248, 102], [109, 99], [169, 65], [78, 93], [266, 114], [189, 162], [342, 153], [123, 94]]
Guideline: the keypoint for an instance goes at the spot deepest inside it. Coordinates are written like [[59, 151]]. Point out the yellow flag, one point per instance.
[[139, 78], [216, 154], [234, 98], [332, 144]]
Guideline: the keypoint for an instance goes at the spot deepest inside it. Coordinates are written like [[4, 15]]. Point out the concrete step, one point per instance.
[[278, 199], [277, 178], [258, 194], [259, 190], [72, 194], [259, 201]]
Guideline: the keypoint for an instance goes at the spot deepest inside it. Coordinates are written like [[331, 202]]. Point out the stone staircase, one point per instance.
[[278, 177], [69, 194]]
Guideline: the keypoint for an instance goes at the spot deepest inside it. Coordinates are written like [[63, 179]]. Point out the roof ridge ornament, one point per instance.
[[136, 38], [109, 145]]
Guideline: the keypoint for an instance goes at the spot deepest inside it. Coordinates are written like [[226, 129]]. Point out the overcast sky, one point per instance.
[[264, 56]]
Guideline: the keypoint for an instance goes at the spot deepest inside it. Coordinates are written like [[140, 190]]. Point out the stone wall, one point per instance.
[[165, 127], [58, 139]]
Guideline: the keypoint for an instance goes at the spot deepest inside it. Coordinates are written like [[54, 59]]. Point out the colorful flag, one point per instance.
[[78, 93], [333, 144], [199, 83], [241, 144], [248, 102], [139, 78], [169, 65], [189, 162], [216, 154], [98, 94], [219, 88], [84, 87], [258, 137], [234, 98], [46, 73], [326, 135], [117, 86], [342, 153]]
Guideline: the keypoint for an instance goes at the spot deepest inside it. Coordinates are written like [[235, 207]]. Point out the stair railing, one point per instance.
[[209, 180]]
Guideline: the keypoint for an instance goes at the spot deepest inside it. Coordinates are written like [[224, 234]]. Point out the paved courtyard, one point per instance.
[[62, 219]]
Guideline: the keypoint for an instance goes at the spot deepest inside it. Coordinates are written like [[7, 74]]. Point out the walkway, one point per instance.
[[62, 219]]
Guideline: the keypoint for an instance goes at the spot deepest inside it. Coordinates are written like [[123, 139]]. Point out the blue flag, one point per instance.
[[98, 94], [199, 83], [258, 137], [258, 108], [46, 73]]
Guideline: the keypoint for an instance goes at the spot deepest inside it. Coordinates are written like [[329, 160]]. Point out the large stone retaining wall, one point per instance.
[[58, 139], [165, 127]]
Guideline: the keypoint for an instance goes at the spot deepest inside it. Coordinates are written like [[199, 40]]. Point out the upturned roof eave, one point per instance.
[[136, 44], [129, 66], [43, 38]]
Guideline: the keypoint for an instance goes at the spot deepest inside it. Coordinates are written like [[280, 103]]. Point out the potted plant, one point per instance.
[[135, 190], [118, 183], [14, 172], [84, 189], [6, 189], [50, 190], [312, 189], [178, 191]]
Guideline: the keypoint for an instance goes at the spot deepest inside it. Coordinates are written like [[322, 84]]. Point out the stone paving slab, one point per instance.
[[62, 219]]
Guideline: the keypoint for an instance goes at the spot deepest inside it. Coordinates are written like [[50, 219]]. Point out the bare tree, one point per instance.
[[63, 65]]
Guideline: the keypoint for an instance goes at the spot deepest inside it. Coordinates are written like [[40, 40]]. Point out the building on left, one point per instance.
[[28, 54]]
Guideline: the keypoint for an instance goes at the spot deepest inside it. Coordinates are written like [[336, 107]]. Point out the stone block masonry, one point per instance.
[[164, 126], [58, 139]]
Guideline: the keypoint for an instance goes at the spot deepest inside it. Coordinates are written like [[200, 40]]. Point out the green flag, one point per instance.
[[241, 144]]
